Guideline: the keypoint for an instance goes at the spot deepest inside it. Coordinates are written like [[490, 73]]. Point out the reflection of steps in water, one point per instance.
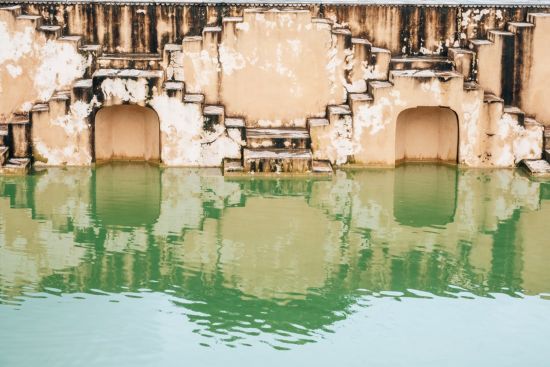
[[276, 150]]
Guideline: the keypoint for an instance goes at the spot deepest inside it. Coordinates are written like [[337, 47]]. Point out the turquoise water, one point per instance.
[[132, 265]]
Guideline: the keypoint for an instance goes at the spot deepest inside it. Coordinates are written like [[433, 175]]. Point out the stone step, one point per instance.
[[40, 107], [321, 166], [314, 122], [277, 133], [471, 86], [532, 17], [517, 114], [33, 21], [194, 98], [92, 48], [82, 90], [322, 21], [19, 119], [4, 152], [73, 40], [168, 52], [192, 44], [359, 99], [59, 103], [61, 95], [140, 61], [294, 138], [174, 89], [9, 13], [439, 63], [337, 113], [20, 135], [128, 73], [494, 34], [16, 166], [373, 85], [232, 19], [234, 123], [277, 160], [491, 98], [232, 166], [91, 52], [537, 167], [463, 60], [213, 115], [380, 60], [547, 137], [338, 110], [51, 31], [517, 27], [475, 44]]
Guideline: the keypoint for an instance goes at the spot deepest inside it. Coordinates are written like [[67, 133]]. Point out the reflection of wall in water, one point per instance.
[[200, 228], [127, 194], [425, 196]]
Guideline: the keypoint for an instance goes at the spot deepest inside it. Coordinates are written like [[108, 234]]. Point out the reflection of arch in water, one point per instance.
[[425, 195], [427, 134], [127, 132], [127, 194]]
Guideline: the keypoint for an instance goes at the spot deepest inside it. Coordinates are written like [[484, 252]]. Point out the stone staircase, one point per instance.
[[540, 167]]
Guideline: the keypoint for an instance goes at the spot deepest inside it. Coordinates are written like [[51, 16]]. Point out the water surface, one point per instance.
[[132, 265]]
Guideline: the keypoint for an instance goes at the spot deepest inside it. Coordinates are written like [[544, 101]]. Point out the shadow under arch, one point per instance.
[[427, 134], [127, 133]]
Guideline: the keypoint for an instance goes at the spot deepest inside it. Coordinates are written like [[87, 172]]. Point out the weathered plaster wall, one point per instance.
[[61, 134], [280, 57], [36, 65], [394, 27], [536, 72], [272, 67], [486, 138]]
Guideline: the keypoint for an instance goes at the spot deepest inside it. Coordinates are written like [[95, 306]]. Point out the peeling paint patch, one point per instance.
[[127, 90]]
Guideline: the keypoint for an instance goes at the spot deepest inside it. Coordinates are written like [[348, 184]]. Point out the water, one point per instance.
[[132, 265]]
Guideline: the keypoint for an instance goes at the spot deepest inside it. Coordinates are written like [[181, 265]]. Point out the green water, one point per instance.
[[132, 265]]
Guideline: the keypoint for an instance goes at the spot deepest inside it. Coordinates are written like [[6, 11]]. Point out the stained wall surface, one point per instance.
[[271, 67]]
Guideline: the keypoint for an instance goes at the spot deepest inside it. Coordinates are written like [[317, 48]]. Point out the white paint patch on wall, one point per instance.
[[73, 133], [184, 142], [126, 90], [15, 45], [230, 59], [38, 66], [60, 65]]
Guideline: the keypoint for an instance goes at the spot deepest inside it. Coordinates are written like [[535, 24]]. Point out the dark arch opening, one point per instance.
[[127, 133], [426, 134]]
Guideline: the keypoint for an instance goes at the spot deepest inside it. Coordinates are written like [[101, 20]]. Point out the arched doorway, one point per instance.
[[427, 134], [127, 133]]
